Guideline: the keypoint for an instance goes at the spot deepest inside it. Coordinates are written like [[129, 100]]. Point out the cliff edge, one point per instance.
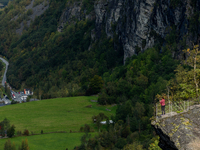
[[179, 131]]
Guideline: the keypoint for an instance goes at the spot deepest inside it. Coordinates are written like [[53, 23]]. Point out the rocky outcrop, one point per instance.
[[136, 22], [178, 131], [36, 11], [72, 13]]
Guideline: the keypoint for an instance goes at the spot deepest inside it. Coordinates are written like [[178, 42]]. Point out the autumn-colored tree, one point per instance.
[[24, 145], [193, 60], [9, 146]]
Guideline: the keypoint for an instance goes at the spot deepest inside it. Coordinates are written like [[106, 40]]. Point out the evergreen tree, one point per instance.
[[11, 131]]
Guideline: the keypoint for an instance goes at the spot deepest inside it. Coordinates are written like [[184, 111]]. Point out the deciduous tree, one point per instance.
[[9, 146], [24, 145]]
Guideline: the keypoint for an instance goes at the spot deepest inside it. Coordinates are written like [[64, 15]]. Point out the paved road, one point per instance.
[[18, 97], [4, 76]]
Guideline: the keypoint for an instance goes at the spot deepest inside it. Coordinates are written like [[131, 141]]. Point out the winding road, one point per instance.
[[4, 76]]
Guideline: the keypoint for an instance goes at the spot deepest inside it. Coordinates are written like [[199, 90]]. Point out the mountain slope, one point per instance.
[[75, 46], [93, 37]]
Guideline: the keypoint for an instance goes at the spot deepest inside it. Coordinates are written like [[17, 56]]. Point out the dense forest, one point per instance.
[[71, 63]]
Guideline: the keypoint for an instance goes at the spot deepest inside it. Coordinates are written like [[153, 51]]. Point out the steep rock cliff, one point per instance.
[[178, 131], [137, 22]]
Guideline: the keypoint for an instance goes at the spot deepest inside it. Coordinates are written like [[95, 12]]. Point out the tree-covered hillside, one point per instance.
[[53, 63], [83, 48], [56, 64]]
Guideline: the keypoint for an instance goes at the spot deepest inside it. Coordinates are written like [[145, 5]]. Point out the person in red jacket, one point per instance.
[[162, 102]]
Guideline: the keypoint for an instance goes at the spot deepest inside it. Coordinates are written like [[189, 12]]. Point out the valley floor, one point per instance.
[[54, 115], [53, 141]]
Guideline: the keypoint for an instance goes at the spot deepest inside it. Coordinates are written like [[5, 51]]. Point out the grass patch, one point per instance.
[[60, 114], [54, 141]]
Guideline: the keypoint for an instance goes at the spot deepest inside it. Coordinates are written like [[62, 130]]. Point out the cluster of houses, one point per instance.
[[18, 97], [21, 96]]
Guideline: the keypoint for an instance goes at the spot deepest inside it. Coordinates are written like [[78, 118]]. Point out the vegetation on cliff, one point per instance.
[[73, 62]]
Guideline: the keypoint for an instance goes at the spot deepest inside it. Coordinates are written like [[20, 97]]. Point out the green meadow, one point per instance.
[[53, 141], [53, 115]]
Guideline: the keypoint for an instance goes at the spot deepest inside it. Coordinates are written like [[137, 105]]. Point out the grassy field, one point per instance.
[[61, 114], [55, 141]]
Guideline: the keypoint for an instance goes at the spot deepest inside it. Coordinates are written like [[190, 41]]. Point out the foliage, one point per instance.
[[29, 12], [24, 145], [88, 5], [185, 85], [100, 117], [1, 65], [11, 131], [86, 128], [134, 88], [85, 140], [26, 132], [154, 145], [72, 63], [9, 146], [55, 64], [37, 2], [145, 72], [120, 143], [5, 125], [134, 146], [7, 91], [95, 85], [19, 133]]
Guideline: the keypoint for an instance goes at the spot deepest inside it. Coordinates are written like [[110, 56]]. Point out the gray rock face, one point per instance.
[[177, 132], [133, 20], [37, 11], [70, 13]]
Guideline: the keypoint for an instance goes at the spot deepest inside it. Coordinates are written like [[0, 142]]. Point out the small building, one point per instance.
[[28, 92], [104, 122], [24, 97]]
